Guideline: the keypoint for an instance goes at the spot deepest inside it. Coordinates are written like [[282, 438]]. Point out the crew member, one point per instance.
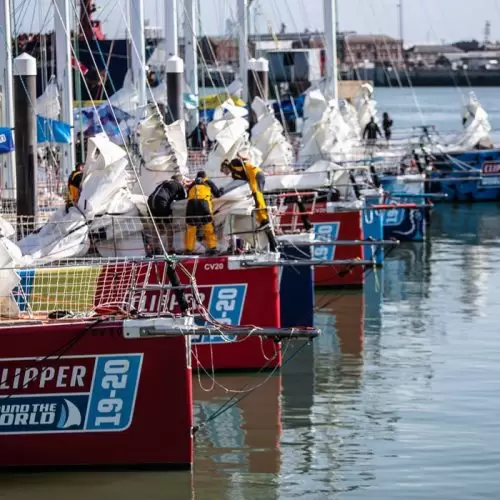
[[387, 126], [74, 184], [240, 169], [244, 171], [161, 199], [370, 133], [199, 212], [160, 203]]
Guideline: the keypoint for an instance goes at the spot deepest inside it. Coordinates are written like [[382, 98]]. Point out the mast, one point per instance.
[[243, 44], [138, 47], [9, 181], [171, 34], [62, 29], [330, 14], [190, 50], [401, 29]]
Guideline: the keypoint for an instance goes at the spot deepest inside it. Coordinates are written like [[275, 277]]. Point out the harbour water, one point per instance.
[[397, 400]]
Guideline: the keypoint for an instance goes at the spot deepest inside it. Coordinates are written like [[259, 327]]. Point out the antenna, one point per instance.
[[487, 32]]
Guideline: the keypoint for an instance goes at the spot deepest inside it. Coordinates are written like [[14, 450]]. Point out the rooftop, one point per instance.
[[435, 49]]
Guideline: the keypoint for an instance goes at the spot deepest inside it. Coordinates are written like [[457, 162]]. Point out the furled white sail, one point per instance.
[[366, 105], [477, 130], [350, 115], [164, 151], [326, 135], [269, 139], [48, 104], [103, 193], [229, 130]]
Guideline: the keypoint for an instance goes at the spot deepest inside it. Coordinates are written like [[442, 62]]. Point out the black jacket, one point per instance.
[[168, 192], [371, 131]]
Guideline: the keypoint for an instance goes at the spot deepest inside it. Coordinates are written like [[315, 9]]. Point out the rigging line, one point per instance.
[[414, 94], [211, 51], [218, 67], [429, 22], [169, 259], [234, 401], [23, 9], [57, 354], [101, 54]]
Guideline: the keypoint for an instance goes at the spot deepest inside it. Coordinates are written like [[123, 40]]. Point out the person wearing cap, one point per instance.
[[199, 212], [160, 203], [241, 169]]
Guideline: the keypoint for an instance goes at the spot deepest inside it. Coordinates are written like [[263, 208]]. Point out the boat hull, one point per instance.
[[480, 183], [341, 225], [97, 400], [331, 224], [403, 224], [230, 295]]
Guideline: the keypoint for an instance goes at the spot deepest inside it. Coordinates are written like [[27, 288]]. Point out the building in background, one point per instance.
[[428, 55]]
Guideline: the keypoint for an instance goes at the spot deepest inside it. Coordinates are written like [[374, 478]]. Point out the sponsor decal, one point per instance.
[[225, 306], [490, 174], [491, 168], [393, 217], [225, 303], [328, 232], [68, 394]]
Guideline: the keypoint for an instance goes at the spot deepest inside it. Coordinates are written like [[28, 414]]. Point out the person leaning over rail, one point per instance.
[[241, 169], [160, 203], [199, 213], [74, 185]]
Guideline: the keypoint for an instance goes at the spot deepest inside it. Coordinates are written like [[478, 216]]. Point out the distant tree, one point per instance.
[[468, 45]]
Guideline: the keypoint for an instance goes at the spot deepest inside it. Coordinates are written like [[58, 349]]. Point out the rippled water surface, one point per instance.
[[399, 399]]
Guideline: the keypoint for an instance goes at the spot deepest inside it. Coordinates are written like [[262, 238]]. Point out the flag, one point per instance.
[[79, 66]]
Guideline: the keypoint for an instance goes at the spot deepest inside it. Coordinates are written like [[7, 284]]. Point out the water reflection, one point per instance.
[[85, 486], [467, 238], [241, 447], [340, 315], [469, 224]]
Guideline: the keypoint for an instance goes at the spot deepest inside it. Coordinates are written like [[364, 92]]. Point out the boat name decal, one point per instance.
[[327, 231], [491, 168], [224, 303], [94, 393]]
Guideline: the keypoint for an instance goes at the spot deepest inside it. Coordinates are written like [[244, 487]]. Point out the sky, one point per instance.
[[424, 21]]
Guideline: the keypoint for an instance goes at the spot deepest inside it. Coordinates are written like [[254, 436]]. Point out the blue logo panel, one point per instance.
[[113, 393], [394, 217], [90, 393], [226, 307], [39, 414], [329, 232]]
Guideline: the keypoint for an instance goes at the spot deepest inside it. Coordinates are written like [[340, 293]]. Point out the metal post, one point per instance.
[[25, 135], [331, 45], [191, 51], [258, 82], [175, 73], [243, 45], [8, 169], [62, 28], [138, 47], [171, 34]]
